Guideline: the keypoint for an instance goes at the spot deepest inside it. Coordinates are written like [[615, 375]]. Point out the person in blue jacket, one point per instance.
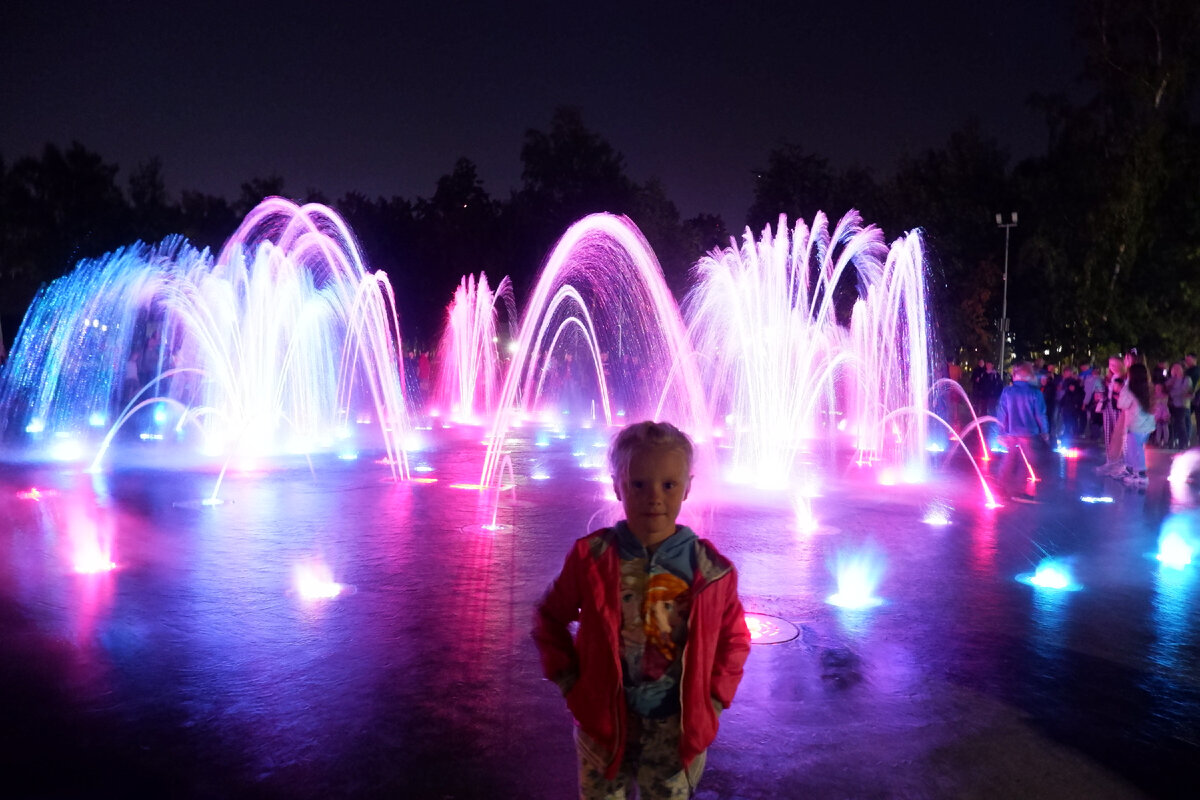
[[1021, 413]]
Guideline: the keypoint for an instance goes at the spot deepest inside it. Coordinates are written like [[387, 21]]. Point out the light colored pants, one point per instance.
[[1116, 440], [1135, 451], [651, 762]]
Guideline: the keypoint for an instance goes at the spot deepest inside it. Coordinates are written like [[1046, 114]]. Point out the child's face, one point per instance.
[[652, 493]]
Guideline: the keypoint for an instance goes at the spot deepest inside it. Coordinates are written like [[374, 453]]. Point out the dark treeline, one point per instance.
[[1106, 253]]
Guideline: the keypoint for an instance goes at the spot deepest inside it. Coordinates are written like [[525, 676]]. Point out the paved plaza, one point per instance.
[[197, 668]]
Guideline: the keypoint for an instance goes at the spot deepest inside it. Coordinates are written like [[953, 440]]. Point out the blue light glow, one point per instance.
[[1177, 541], [1051, 573], [858, 575]]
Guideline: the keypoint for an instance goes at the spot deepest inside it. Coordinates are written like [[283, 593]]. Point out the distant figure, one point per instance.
[[1192, 371], [993, 385], [1114, 421], [424, 369], [1022, 416], [662, 635], [1137, 405], [1070, 403], [1162, 416], [1179, 404]]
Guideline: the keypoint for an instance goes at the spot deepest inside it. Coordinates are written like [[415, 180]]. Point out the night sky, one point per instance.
[[384, 98]]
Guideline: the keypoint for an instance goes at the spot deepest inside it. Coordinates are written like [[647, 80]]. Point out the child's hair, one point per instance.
[[1139, 384], [646, 436]]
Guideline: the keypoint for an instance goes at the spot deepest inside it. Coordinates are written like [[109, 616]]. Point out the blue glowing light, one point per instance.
[[1053, 574], [858, 575], [1174, 551], [1177, 541]]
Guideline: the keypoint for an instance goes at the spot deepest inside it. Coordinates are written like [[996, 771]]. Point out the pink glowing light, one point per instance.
[[806, 521], [313, 580], [761, 627], [36, 494], [475, 487], [765, 629], [468, 379], [1029, 467], [93, 562], [937, 514]]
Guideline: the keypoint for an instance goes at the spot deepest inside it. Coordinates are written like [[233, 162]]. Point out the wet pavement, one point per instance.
[[197, 668]]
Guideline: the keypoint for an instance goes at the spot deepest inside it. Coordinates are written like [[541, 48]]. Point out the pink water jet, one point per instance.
[[467, 385], [800, 329], [602, 320]]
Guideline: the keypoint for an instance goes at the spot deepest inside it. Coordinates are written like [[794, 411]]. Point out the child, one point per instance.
[[1135, 402], [662, 634]]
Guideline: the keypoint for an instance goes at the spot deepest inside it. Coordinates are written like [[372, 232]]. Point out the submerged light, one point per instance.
[[1051, 573]]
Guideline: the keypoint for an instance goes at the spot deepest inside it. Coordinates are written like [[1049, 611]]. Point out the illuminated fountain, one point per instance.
[[858, 574], [284, 343], [802, 331], [790, 337], [601, 337], [467, 384], [278, 345]]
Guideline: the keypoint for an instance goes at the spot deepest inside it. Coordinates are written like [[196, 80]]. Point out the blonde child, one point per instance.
[[662, 636]]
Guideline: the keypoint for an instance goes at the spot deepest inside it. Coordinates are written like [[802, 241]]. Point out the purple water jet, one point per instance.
[[469, 362]]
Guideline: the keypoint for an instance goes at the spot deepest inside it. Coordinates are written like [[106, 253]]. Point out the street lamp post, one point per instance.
[[1004, 307]]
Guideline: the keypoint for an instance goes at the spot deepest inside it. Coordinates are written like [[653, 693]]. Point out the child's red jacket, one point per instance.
[[588, 667]]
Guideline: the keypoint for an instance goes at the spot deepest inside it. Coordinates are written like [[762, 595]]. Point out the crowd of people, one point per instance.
[[1082, 401], [1123, 405]]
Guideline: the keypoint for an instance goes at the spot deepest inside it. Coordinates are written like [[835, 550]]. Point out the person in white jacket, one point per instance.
[[1137, 406]]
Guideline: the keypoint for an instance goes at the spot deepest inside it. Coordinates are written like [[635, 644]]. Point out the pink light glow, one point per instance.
[[602, 269], [313, 580], [92, 562], [1032, 476], [761, 627], [36, 494], [469, 373], [91, 540], [475, 487]]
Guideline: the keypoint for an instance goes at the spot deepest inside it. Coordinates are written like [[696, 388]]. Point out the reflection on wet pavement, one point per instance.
[[334, 634]]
